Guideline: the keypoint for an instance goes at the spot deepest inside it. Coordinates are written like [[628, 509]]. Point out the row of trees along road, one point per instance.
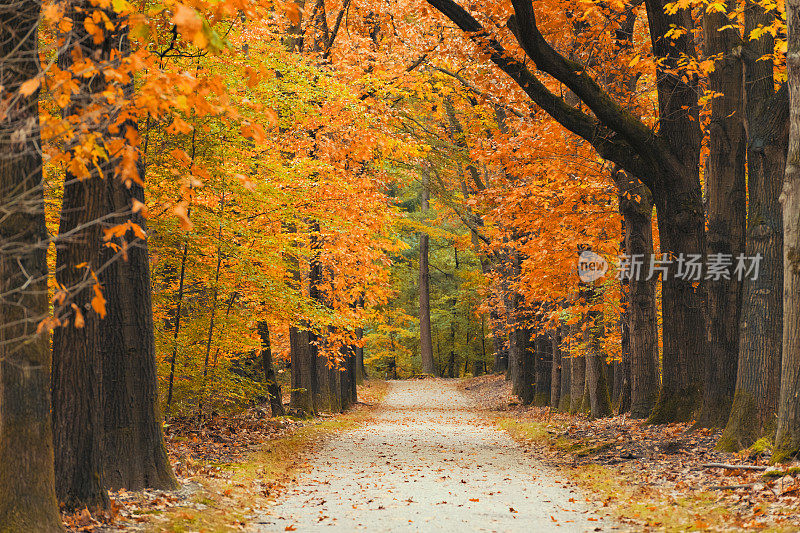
[[307, 163], [180, 301], [721, 355]]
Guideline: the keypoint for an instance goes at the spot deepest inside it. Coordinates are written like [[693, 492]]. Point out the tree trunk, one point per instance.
[[361, 370], [77, 375], [542, 369], [426, 341], [596, 382], [637, 207], [755, 403], [555, 368], [566, 369], [521, 364], [725, 182], [273, 389], [27, 497], [577, 377], [135, 457], [304, 372], [681, 228], [327, 394], [77, 378], [787, 438], [499, 343]]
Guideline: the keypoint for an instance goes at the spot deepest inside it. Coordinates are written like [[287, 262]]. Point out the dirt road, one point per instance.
[[428, 462]]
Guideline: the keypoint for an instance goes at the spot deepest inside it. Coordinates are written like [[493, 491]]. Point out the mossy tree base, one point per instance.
[[675, 406], [743, 427]]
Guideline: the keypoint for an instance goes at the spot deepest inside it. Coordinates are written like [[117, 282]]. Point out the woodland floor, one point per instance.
[[651, 478], [452, 455]]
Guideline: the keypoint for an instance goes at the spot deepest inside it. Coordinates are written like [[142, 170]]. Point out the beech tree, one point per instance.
[[787, 438], [758, 377], [426, 344], [27, 495], [77, 372], [667, 161]]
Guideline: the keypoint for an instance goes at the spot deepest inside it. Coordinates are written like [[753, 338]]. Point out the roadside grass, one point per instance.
[[619, 491], [243, 489]]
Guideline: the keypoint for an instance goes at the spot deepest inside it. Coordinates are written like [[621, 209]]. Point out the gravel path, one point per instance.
[[428, 462]]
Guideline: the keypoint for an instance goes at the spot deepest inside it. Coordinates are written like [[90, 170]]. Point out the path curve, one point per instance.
[[428, 462]]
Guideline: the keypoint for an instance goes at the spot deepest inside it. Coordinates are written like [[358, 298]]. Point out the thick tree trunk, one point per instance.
[[755, 403], [135, 457], [425, 338], [77, 375], [27, 496], [77, 378], [521, 364], [787, 438], [327, 395], [304, 371], [682, 231], [134, 454], [273, 389], [681, 221], [725, 182], [637, 207]]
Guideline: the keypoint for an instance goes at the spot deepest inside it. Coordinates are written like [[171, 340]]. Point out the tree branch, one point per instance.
[[574, 76], [606, 142]]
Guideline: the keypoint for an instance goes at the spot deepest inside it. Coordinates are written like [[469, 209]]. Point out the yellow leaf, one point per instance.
[[183, 217], [187, 20], [79, 322], [293, 11], [634, 61], [137, 230], [139, 206], [98, 302], [29, 87]]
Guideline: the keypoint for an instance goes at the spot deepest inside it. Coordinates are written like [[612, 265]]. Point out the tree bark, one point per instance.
[[521, 364], [542, 368], [566, 369], [595, 375], [273, 389], [77, 375], [577, 378], [755, 402], [77, 378], [27, 496], [637, 207], [681, 230], [304, 372], [555, 368], [134, 452], [133, 445], [725, 183], [787, 438], [426, 341]]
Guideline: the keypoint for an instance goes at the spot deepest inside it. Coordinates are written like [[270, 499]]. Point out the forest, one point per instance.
[[361, 213]]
